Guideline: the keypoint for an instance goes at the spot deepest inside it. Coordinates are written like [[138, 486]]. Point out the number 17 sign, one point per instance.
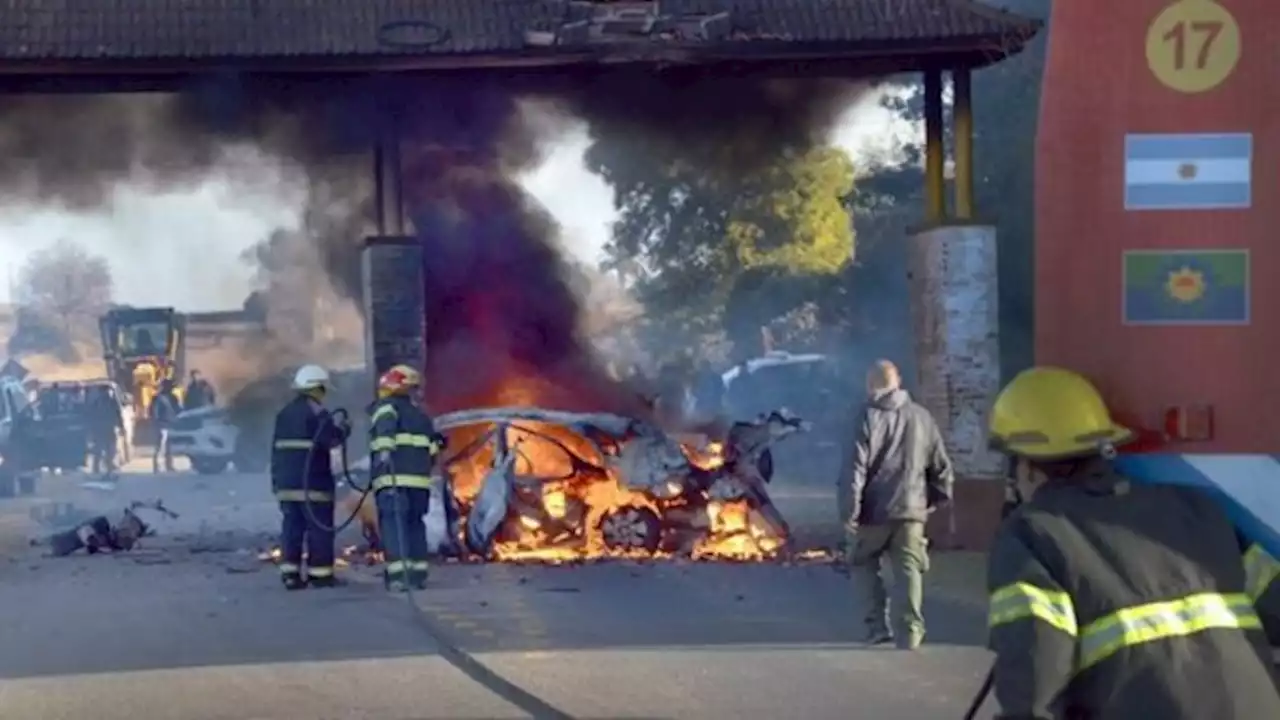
[[1193, 45]]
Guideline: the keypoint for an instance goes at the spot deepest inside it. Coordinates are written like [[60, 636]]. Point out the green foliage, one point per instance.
[[694, 223]]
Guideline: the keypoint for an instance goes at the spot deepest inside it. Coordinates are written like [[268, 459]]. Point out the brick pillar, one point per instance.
[[395, 326], [952, 275]]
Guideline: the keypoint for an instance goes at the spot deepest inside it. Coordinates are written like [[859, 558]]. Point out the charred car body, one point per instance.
[[527, 483]]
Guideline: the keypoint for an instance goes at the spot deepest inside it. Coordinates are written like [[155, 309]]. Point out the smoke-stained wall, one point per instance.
[[395, 326]]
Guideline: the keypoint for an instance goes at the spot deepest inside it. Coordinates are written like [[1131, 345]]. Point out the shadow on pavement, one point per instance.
[[622, 605]]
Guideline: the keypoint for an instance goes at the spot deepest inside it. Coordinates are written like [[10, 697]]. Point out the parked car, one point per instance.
[[813, 386], [211, 442]]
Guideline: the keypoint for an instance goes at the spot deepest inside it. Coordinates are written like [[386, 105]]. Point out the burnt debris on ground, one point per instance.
[[99, 534]]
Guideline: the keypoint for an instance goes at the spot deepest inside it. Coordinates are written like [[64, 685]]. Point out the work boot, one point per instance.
[[329, 581], [418, 579], [878, 636], [911, 642], [293, 582], [394, 582]]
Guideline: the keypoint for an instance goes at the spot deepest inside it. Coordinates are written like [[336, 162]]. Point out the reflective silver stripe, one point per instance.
[[1157, 621], [1260, 570], [293, 444], [1022, 601]]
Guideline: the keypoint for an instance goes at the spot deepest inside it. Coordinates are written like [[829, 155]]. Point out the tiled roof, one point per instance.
[[71, 30]]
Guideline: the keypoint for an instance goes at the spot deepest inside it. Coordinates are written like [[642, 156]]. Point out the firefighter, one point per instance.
[[1111, 599], [302, 476], [404, 445]]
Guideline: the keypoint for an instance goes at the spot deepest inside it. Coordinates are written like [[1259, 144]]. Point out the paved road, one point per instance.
[[194, 626]]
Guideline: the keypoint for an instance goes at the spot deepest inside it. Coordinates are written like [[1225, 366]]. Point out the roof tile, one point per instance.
[[212, 29]]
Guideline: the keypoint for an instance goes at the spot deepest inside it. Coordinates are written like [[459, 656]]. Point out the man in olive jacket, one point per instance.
[[898, 473]]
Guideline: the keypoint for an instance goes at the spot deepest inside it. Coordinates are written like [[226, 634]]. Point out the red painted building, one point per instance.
[[1152, 68]]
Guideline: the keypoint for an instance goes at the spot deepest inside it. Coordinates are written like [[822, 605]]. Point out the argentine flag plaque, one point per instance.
[[1188, 172]]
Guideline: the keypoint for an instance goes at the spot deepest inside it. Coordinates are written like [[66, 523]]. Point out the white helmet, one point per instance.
[[310, 377]]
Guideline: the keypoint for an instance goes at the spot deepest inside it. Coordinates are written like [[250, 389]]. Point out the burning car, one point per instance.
[[528, 483]]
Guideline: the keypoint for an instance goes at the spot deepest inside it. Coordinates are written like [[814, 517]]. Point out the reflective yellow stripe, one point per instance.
[[386, 410], [293, 444], [320, 572], [303, 496], [1157, 621], [405, 440], [419, 565], [424, 482], [1021, 601], [1260, 570], [289, 569], [397, 566]]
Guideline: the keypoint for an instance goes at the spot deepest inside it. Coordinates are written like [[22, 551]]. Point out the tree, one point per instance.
[[67, 288], [689, 230]]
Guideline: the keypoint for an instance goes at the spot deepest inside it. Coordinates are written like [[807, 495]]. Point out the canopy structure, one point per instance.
[[134, 45]]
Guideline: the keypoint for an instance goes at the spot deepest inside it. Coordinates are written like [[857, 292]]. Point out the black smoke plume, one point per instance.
[[499, 305]]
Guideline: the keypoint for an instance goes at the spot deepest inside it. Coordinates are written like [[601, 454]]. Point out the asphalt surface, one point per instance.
[[194, 625]]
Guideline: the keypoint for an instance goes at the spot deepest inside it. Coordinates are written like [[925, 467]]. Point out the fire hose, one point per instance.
[[333, 420], [330, 422], [981, 696]]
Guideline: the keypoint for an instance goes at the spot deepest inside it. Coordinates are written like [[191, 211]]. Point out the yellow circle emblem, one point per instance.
[[1185, 285], [1193, 45]]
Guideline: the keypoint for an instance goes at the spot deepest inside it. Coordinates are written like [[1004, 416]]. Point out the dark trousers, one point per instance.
[[162, 450], [102, 452], [298, 533], [403, 533]]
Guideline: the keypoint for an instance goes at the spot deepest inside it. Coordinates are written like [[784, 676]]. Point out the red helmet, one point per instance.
[[398, 381]]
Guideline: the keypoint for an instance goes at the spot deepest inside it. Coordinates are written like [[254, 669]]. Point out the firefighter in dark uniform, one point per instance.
[[1117, 600], [404, 445], [304, 429]]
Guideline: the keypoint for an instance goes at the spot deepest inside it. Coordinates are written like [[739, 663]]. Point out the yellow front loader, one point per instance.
[[144, 347]]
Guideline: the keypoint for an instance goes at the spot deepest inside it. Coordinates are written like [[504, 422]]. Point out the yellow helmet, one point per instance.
[[1048, 413]]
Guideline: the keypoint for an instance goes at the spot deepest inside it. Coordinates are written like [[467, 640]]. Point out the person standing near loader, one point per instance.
[[164, 410], [303, 481], [1112, 600], [899, 472], [404, 445], [106, 424]]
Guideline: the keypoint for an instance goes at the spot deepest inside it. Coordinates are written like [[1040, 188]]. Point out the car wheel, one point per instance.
[[250, 462], [208, 466], [631, 528], [765, 465]]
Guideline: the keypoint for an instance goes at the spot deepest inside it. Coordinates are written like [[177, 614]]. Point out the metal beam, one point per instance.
[[962, 129], [934, 149]]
